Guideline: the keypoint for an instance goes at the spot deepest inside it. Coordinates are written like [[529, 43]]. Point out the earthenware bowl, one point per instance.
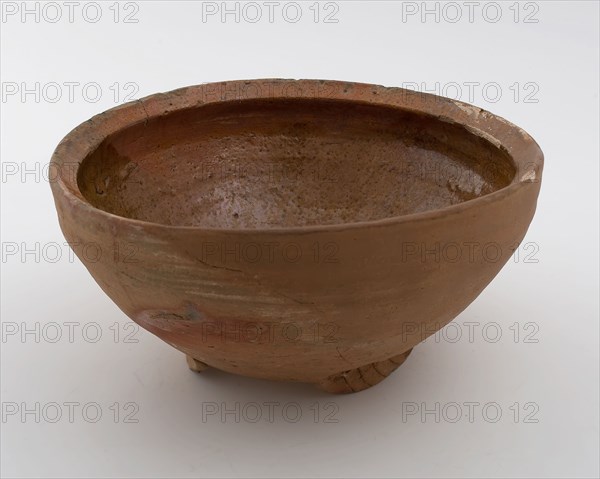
[[296, 230]]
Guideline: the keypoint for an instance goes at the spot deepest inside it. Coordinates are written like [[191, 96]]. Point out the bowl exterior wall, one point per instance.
[[299, 305]]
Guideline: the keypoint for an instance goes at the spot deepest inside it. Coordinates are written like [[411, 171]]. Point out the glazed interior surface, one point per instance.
[[285, 163]]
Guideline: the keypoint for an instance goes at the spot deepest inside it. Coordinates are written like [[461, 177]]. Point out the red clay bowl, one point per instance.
[[296, 230]]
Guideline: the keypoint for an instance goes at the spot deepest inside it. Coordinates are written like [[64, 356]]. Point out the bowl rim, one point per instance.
[[523, 150]]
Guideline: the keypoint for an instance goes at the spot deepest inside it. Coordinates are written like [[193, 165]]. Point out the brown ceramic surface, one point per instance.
[[296, 230]]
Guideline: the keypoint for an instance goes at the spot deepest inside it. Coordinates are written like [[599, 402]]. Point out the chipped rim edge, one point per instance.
[[525, 153]]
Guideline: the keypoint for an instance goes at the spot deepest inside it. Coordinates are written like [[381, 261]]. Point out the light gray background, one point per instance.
[[548, 294]]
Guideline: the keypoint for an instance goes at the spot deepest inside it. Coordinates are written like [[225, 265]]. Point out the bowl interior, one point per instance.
[[282, 163]]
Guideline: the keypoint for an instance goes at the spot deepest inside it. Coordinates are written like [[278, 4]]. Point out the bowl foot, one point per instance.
[[195, 365], [359, 379]]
